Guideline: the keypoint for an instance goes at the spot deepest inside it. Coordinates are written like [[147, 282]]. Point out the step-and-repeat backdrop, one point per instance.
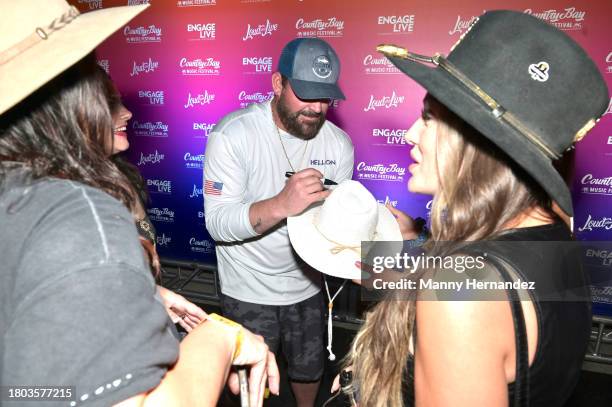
[[184, 64]]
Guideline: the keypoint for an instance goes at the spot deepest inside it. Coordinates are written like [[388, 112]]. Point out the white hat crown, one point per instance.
[[349, 215]]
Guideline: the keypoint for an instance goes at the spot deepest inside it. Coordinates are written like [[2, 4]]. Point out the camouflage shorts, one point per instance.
[[297, 328]]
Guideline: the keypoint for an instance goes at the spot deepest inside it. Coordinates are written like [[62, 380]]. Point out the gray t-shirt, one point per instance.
[[78, 305]]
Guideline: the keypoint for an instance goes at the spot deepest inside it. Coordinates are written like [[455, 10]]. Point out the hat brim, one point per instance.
[[457, 98], [316, 90], [315, 249], [37, 65]]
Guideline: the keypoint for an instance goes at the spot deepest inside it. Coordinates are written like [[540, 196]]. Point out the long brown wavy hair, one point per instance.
[[64, 130], [480, 191]]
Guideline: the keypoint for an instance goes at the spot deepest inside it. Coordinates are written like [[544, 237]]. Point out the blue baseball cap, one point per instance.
[[312, 67]]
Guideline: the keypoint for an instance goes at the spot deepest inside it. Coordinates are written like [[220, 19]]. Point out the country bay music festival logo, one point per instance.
[[149, 128], [378, 65], [203, 246], [567, 19], [245, 99], [320, 27], [142, 34], [195, 3], [164, 215], [204, 66], [594, 185], [193, 161], [380, 172]]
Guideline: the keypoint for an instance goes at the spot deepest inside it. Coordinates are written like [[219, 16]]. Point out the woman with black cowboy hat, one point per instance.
[[509, 99], [80, 317]]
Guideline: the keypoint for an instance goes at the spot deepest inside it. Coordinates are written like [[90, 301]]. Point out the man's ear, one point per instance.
[[277, 83]]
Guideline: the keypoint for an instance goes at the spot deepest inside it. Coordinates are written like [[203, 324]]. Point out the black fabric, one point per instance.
[[563, 327], [521, 382]]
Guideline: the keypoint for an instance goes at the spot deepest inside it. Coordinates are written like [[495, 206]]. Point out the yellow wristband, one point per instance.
[[228, 323]]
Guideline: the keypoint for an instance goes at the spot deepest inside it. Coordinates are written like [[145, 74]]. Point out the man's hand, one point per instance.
[[301, 190]]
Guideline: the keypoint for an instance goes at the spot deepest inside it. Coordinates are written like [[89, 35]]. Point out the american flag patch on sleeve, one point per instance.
[[212, 187]]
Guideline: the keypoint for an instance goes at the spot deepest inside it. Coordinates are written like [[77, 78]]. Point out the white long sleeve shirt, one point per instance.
[[245, 163]]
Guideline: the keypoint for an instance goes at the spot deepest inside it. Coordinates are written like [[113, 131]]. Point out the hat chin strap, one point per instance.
[[330, 307]]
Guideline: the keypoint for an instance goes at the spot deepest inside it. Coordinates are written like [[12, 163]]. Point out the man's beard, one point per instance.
[[290, 121]]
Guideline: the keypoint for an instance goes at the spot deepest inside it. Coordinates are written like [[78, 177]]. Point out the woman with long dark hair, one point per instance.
[[80, 309], [509, 99], [181, 311]]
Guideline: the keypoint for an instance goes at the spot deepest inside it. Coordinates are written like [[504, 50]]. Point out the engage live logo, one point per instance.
[[202, 31], [257, 65], [396, 24], [159, 186], [93, 4], [151, 97]]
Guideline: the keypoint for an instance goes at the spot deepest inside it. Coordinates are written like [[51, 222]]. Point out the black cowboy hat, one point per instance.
[[522, 83]]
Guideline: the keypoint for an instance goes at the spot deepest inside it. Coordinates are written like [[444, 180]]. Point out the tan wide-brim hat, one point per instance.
[[39, 39]]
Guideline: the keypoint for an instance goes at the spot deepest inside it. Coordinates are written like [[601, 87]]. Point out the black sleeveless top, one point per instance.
[[563, 326]]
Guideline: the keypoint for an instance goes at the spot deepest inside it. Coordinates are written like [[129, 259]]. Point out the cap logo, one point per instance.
[[322, 67], [539, 71]]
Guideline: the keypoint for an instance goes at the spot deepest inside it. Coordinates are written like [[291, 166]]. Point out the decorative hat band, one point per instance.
[[497, 110], [339, 247], [39, 35]]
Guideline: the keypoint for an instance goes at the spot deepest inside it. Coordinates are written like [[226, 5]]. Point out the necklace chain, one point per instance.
[[285, 151]]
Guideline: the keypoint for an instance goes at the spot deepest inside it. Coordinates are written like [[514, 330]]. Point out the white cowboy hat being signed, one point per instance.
[[328, 236], [39, 39]]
